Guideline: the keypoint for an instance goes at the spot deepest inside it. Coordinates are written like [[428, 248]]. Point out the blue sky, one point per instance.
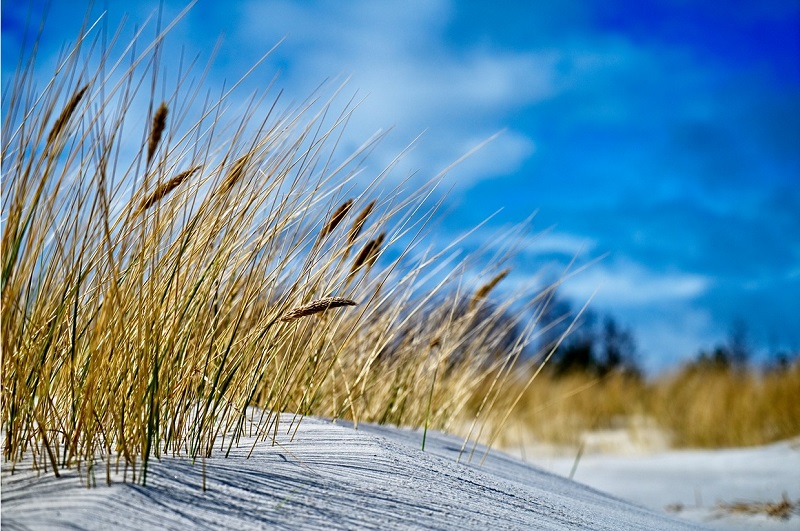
[[664, 133]]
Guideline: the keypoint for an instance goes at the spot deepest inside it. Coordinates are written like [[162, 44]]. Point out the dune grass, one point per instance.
[[151, 295]]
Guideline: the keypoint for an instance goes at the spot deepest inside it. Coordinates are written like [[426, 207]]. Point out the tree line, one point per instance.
[[599, 344]]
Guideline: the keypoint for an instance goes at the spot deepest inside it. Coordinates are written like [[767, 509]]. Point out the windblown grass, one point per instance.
[[149, 299]]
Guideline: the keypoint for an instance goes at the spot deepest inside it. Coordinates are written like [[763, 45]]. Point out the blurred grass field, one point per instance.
[[696, 406]]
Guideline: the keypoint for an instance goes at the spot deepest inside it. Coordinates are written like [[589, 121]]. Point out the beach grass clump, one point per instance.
[[152, 295]]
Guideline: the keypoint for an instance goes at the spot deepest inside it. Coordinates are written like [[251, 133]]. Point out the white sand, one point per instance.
[[694, 482], [329, 477]]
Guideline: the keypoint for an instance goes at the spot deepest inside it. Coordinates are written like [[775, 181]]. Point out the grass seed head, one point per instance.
[[165, 189], [336, 218], [486, 288], [157, 129], [375, 249], [317, 306], [368, 254], [236, 173], [359, 222], [66, 114]]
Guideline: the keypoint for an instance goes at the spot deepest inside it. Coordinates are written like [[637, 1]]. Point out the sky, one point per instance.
[[661, 135]]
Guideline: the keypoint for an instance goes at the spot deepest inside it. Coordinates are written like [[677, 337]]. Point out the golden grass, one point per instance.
[[704, 407], [126, 337], [560, 409], [715, 407]]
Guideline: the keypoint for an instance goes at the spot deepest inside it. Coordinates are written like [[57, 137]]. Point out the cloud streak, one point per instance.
[[412, 80]]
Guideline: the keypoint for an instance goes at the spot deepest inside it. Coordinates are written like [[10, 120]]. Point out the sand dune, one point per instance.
[[330, 476]]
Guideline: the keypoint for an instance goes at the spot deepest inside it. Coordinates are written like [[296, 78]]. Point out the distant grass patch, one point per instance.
[[724, 407], [697, 406]]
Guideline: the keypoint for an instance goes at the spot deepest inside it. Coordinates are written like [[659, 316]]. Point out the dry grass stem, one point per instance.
[[317, 306], [781, 509]]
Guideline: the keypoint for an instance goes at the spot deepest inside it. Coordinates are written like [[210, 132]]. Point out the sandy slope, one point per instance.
[[330, 476]]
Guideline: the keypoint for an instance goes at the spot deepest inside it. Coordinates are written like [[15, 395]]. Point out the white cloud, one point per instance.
[[547, 242], [626, 284], [561, 243], [397, 57], [502, 155]]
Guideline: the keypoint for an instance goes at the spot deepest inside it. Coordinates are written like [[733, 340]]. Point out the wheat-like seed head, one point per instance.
[[368, 253], [157, 129], [319, 305], [165, 189], [336, 218], [376, 247], [66, 114], [486, 288], [359, 222], [236, 173]]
